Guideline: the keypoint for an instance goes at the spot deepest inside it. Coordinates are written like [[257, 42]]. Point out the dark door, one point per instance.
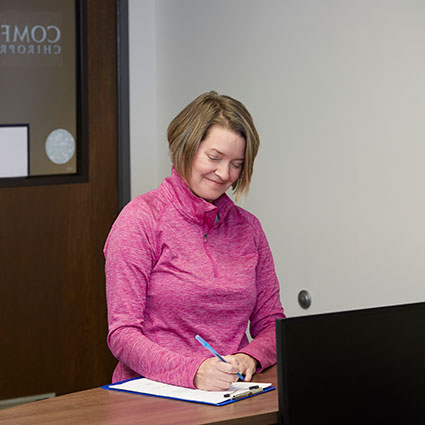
[[52, 299]]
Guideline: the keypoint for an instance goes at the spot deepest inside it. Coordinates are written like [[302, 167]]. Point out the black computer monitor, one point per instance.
[[355, 367]]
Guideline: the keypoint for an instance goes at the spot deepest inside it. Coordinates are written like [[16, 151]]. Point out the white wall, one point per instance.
[[337, 90], [143, 98]]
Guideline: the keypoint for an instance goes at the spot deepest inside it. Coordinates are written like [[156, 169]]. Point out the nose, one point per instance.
[[223, 171]]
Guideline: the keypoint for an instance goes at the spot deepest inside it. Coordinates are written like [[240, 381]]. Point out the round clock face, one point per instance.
[[60, 146]]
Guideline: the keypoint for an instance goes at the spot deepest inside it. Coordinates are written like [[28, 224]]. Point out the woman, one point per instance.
[[183, 260]]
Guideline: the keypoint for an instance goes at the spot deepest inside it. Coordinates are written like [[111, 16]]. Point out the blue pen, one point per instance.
[[209, 348]]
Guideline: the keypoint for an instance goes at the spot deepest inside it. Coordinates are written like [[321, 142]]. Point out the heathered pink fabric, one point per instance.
[[166, 282]]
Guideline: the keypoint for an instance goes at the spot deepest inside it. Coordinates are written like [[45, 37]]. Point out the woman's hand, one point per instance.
[[215, 375], [247, 365]]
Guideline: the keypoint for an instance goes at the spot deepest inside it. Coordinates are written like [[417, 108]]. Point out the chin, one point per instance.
[[211, 197], [208, 194]]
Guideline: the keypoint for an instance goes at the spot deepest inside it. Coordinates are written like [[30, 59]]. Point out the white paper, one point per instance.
[[13, 151], [147, 386]]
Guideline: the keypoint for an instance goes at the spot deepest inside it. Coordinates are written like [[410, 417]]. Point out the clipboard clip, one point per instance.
[[255, 389], [247, 393]]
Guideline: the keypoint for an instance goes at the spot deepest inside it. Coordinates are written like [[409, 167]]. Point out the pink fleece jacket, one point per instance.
[[173, 271]]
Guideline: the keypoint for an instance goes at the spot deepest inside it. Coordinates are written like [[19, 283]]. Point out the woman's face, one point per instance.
[[217, 164]]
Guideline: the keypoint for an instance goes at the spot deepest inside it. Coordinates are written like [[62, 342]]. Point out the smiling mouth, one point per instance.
[[217, 183]]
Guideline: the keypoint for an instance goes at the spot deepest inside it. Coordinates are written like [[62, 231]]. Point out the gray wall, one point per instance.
[[337, 90]]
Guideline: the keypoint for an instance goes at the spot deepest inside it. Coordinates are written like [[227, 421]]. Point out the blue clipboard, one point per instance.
[[222, 403]]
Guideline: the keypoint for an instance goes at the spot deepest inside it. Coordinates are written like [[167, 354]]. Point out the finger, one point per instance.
[[224, 372], [228, 368], [232, 360], [244, 367], [240, 366], [222, 381], [226, 380], [248, 375]]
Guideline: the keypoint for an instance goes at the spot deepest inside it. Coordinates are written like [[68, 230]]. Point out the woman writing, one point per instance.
[[183, 260]]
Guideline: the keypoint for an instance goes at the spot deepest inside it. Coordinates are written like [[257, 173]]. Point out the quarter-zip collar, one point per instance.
[[193, 208]]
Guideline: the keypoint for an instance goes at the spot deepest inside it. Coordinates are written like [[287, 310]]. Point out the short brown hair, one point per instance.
[[190, 127]]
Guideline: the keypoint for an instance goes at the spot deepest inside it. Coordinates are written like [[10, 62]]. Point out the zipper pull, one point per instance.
[[205, 236]]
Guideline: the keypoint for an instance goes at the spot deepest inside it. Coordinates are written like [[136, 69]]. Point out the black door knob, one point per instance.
[[304, 299]]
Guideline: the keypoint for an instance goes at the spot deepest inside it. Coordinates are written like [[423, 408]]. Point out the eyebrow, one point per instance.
[[221, 153]]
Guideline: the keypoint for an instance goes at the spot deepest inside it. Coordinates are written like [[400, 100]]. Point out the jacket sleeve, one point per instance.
[[267, 309], [129, 259]]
